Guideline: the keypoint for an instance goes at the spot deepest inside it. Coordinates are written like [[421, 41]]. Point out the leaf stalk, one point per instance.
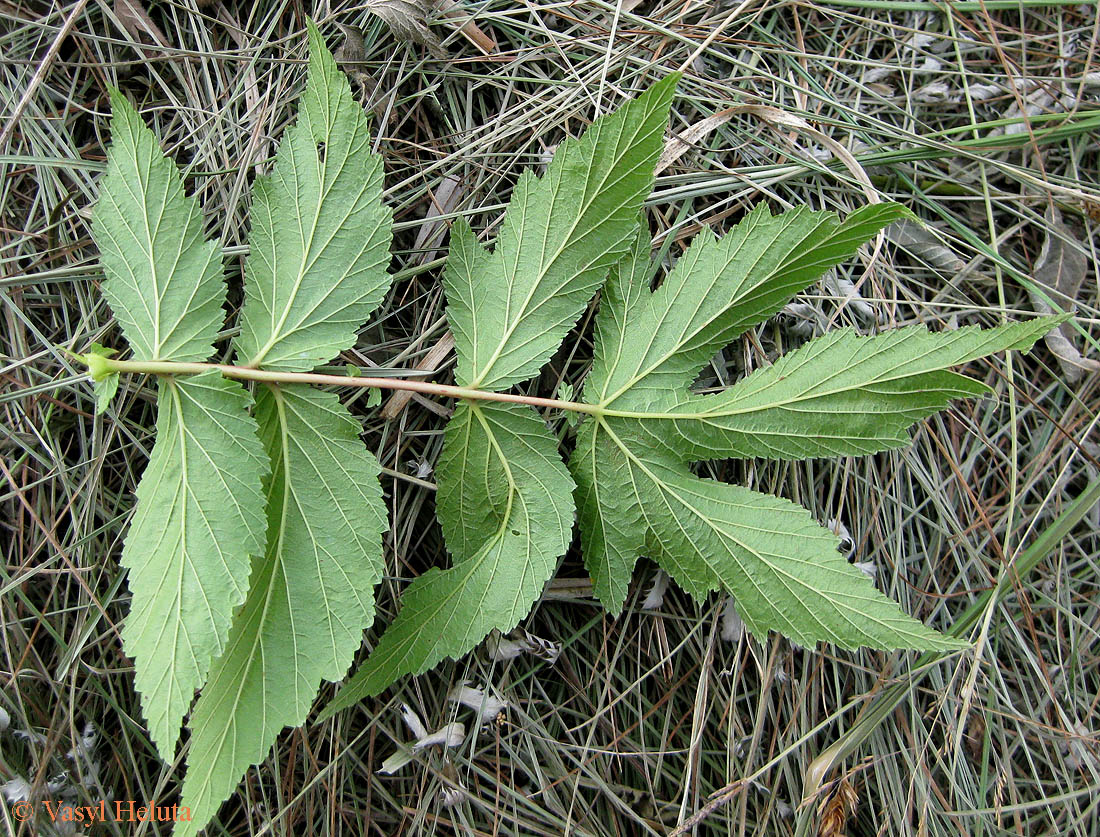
[[99, 366]]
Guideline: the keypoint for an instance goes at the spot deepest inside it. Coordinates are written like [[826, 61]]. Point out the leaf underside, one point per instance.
[[510, 308], [199, 514], [311, 597], [199, 517], [319, 245], [265, 607], [163, 280], [505, 497], [317, 270], [839, 394], [505, 505]]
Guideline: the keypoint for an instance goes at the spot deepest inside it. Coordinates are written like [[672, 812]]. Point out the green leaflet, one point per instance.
[[782, 567], [320, 234], [311, 598], [104, 392], [652, 344], [505, 505], [510, 309], [838, 394], [199, 517], [199, 513], [163, 281]]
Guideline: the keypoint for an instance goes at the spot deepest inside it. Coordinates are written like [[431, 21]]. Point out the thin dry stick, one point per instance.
[[429, 363]]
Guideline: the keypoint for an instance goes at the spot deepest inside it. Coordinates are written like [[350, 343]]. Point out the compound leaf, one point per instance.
[[838, 394], [505, 505], [270, 618], [311, 597], [511, 308], [320, 234], [163, 280], [199, 518], [504, 517]]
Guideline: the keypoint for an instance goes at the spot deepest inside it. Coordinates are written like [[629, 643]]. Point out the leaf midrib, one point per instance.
[[257, 640], [304, 263], [771, 405]]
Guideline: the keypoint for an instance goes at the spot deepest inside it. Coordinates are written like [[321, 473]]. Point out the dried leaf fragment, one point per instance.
[[733, 626], [676, 147], [135, 20], [656, 595], [924, 244], [408, 20], [352, 51], [430, 362], [487, 705], [521, 642], [1061, 269], [443, 200], [451, 735], [835, 810]]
